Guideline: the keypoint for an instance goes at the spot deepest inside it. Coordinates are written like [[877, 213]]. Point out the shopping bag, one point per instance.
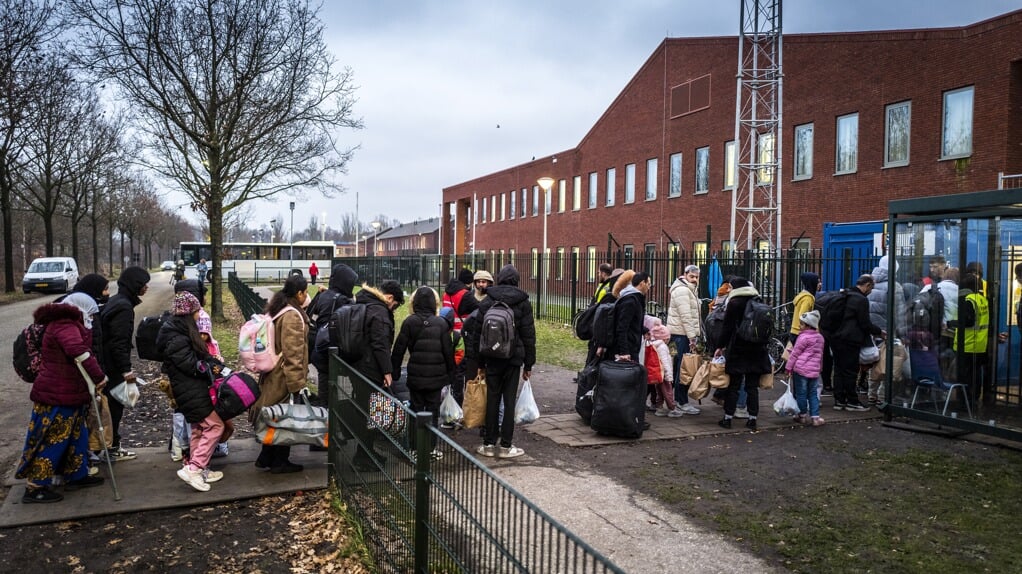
[[126, 393], [869, 354], [526, 409], [700, 385], [690, 363], [766, 381], [718, 378], [292, 423], [879, 370], [474, 403], [786, 404], [787, 351], [386, 414], [450, 411]]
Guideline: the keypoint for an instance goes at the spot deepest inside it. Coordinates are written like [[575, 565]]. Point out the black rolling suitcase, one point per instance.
[[619, 403], [584, 392]]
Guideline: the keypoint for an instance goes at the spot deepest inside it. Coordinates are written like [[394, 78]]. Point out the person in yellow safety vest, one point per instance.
[[607, 275], [972, 330]]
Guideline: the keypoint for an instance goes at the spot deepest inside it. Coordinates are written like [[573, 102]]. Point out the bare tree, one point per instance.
[[238, 98], [26, 26]]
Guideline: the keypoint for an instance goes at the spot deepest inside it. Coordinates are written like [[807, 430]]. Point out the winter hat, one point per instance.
[[810, 281], [508, 275], [811, 318], [185, 304], [656, 328], [92, 285], [739, 282], [85, 303], [132, 280], [465, 275], [884, 264], [447, 313], [205, 324], [482, 274]]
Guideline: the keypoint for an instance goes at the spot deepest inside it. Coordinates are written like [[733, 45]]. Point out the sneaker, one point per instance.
[[510, 452], [678, 412], [41, 495], [487, 450], [827, 392], [818, 421], [287, 468], [651, 408], [193, 478], [211, 475], [724, 423], [840, 406], [801, 418], [661, 412], [221, 450], [93, 470], [86, 482], [750, 424], [119, 454], [872, 401], [857, 407], [742, 413], [446, 425], [689, 409]]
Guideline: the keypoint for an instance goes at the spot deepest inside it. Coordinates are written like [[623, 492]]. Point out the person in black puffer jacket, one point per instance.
[[426, 337], [339, 293], [502, 374], [190, 368], [746, 361]]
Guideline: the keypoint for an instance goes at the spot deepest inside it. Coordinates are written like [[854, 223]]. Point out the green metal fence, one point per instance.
[[248, 300], [451, 514]]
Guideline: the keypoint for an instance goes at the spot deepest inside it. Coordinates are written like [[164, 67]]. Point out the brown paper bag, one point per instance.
[[474, 403], [787, 351], [92, 423], [690, 363], [718, 378], [766, 381], [699, 387]]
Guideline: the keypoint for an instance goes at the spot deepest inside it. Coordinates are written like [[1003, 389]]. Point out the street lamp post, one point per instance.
[[376, 247], [545, 183], [273, 236], [292, 237]]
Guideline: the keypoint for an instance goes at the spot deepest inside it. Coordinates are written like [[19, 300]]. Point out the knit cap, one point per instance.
[[185, 304]]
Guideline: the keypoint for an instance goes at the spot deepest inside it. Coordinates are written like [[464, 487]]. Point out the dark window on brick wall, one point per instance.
[[692, 96]]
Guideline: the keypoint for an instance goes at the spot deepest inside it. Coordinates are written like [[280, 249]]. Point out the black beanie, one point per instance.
[[739, 282], [465, 276], [132, 280], [92, 285], [810, 281]]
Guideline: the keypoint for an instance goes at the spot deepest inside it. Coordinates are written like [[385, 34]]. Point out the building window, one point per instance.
[[525, 202], [957, 137], [803, 168], [675, 190], [611, 186], [559, 263], [629, 250], [548, 202], [514, 203], [535, 262], [898, 120], [729, 165], [561, 187], [765, 147], [503, 206], [699, 252], [591, 267], [535, 200], [593, 177], [651, 176], [575, 256], [576, 193], [846, 159], [630, 183], [702, 170], [482, 219], [493, 207]]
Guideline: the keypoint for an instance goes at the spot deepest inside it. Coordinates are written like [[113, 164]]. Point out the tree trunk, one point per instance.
[[216, 242], [48, 231], [5, 209]]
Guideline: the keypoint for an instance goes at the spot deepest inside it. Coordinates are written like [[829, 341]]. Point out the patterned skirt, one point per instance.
[[57, 443]]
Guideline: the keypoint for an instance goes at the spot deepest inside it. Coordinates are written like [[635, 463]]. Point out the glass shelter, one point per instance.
[[955, 360]]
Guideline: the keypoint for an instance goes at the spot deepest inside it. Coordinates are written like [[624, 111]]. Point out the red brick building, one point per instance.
[[917, 113]]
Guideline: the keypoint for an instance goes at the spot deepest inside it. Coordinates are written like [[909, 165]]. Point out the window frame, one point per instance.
[[594, 188], [765, 176], [729, 165], [837, 145], [796, 176], [705, 159], [629, 183], [652, 164], [674, 187], [562, 186], [611, 186], [944, 155], [887, 134], [576, 193]]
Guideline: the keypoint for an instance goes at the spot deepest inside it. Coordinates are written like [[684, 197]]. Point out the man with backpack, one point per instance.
[[340, 292], [854, 331], [506, 336], [745, 350]]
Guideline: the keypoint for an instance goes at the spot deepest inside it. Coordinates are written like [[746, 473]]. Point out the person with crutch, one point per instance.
[[57, 441]]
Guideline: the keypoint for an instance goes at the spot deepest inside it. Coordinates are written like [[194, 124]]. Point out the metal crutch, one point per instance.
[[99, 419]]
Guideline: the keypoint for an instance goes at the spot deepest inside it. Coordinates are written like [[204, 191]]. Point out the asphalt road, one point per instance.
[[15, 405]]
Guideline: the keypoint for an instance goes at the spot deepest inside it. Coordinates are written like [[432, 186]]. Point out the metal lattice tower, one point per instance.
[[756, 200]]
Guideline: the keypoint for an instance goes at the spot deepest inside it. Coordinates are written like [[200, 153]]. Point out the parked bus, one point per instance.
[[260, 261]]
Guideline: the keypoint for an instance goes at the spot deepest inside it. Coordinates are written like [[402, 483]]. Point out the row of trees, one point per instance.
[[227, 101]]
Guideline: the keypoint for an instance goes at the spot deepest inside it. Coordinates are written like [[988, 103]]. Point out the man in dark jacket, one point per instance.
[[118, 326], [502, 374], [855, 332], [339, 293], [629, 312], [746, 361], [375, 362]]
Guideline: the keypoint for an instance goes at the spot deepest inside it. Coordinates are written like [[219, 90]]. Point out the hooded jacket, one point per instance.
[[458, 296], [426, 337], [506, 291], [743, 357], [59, 382], [878, 299], [291, 372], [856, 326], [804, 301], [378, 335], [117, 323], [339, 293], [683, 312], [629, 312], [181, 363]]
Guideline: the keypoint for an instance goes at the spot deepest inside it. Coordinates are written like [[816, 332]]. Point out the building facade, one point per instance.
[[416, 238], [867, 117]]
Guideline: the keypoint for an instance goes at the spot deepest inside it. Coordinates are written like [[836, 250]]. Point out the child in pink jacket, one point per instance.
[[804, 365], [663, 391]]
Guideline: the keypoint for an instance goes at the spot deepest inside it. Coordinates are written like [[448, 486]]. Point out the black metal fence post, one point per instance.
[[423, 458]]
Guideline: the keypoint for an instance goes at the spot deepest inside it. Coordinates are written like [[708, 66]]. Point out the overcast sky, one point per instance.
[[437, 77]]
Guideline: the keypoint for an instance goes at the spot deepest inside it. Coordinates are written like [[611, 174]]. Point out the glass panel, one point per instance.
[[675, 190], [651, 176], [957, 137], [514, 204], [593, 178], [562, 186], [535, 200], [804, 151], [702, 170], [611, 185], [847, 144], [765, 148], [898, 126], [630, 183], [729, 165]]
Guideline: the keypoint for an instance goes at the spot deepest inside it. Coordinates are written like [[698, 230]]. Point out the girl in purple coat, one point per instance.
[[803, 368]]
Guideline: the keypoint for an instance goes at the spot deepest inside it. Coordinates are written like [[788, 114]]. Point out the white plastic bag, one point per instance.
[[450, 411], [526, 409], [126, 393], [786, 405]]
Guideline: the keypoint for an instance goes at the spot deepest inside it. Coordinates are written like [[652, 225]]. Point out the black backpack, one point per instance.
[[145, 337], [28, 352], [926, 311], [757, 324], [603, 326], [831, 306], [583, 324], [347, 331], [497, 336], [715, 327]]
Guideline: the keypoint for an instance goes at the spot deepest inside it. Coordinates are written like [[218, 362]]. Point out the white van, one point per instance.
[[50, 274]]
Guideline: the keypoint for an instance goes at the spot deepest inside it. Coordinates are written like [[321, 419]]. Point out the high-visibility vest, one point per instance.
[[976, 336], [453, 302]]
